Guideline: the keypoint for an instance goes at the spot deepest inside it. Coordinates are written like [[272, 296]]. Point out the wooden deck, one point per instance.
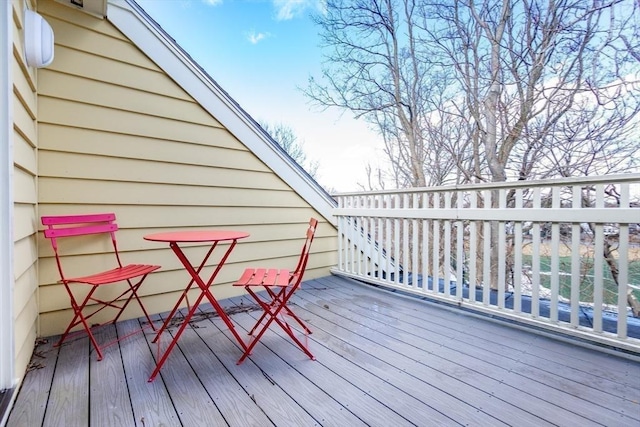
[[382, 360]]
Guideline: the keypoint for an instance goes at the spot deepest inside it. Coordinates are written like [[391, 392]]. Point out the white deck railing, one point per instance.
[[558, 254]]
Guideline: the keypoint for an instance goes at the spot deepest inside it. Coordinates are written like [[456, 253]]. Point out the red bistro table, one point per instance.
[[214, 238]]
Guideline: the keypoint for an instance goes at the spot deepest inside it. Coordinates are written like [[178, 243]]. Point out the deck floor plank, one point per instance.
[[226, 398], [283, 369], [30, 408], [585, 373], [356, 367], [69, 399], [382, 359], [109, 396], [593, 403], [255, 383], [536, 351], [337, 380], [452, 378], [152, 404]]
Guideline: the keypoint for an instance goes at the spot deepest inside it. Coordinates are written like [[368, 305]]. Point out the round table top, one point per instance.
[[197, 236]]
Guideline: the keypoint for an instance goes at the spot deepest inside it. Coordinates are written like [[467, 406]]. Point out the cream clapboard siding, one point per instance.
[[118, 134], [25, 140]]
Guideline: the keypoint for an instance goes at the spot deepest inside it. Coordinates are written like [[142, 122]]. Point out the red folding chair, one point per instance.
[[280, 285], [65, 226]]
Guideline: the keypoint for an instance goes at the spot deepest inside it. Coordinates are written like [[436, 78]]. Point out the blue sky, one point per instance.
[[262, 52]]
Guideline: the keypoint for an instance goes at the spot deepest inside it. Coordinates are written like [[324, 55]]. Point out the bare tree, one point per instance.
[[374, 67], [287, 139], [463, 91], [541, 79]]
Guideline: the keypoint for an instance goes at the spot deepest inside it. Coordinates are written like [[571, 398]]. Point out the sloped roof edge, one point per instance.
[[141, 29]]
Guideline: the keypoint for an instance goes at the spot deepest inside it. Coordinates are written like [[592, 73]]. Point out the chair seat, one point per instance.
[[264, 277], [116, 275], [279, 285]]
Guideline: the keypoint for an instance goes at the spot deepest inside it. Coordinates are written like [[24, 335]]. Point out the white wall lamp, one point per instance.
[[38, 40]]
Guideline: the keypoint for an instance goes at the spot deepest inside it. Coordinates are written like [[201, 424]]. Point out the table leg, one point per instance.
[[204, 287], [184, 294], [174, 341]]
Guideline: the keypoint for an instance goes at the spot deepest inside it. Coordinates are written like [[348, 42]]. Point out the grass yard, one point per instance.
[[610, 289]]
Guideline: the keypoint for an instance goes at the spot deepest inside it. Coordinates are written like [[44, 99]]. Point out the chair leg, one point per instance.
[[77, 310], [255, 339], [272, 309], [133, 293]]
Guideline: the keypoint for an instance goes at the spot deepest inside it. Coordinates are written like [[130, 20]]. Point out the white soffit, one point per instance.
[[133, 22], [97, 8]]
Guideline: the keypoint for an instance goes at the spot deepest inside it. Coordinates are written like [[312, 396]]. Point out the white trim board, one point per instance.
[[7, 346]]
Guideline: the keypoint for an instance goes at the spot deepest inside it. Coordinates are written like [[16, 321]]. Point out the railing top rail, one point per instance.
[[613, 179]]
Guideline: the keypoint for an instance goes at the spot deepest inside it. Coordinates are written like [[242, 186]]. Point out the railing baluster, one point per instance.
[[598, 272], [406, 268], [415, 234], [486, 256], [535, 257], [576, 260], [555, 257], [502, 249], [473, 248], [446, 264], [436, 246], [623, 265], [425, 245], [517, 256]]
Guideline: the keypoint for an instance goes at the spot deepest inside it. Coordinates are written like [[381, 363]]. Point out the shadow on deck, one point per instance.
[[382, 360]]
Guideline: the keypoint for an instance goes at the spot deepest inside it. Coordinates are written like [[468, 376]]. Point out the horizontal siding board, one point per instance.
[[90, 167], [157, 220], [102, 69], [23, 89], [68, 113], [263, 240], [25, 221], [60, 190], [72, 17], [113, 46], [25, 255], [106, 95], [25, 290], [219, 149], [19, 67], [24, 154], [23, 120], [24, 186], [26, 321]]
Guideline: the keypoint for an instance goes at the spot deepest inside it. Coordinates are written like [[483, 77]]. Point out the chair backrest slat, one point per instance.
[[80, 230], [60, 226], [78, 219]]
